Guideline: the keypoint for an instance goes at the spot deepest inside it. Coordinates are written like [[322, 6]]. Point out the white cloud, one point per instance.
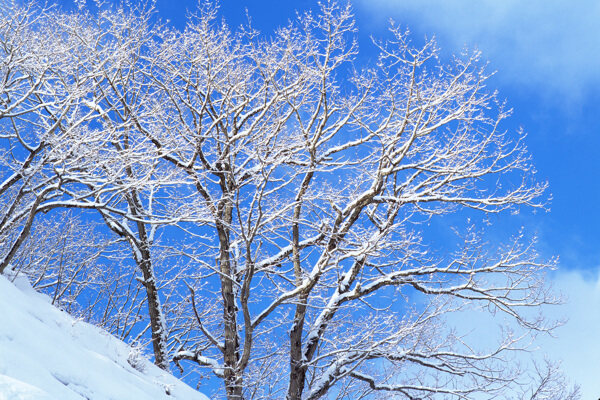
[[552, 44], [575, 344]]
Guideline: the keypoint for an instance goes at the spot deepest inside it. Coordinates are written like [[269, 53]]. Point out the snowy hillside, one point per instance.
[[47, 355]]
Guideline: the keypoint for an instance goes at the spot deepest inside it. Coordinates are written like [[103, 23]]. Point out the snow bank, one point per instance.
[[47, 355]]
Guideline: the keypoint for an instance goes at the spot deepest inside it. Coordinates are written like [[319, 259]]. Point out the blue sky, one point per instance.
[[547, 57]]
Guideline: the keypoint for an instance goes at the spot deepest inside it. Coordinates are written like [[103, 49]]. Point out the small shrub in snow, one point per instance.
[[136, 357]]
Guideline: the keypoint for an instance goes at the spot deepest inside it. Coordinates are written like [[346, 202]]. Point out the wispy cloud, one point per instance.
[[552, 44], [574, 345]]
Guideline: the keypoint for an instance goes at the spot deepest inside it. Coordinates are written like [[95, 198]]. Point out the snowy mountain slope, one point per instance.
[[47, 355]]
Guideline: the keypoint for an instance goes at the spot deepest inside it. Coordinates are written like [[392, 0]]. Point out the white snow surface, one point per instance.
[[45, 354]]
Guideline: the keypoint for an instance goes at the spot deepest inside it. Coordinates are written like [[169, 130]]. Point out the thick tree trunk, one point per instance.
[[231, 356], [297, 364]]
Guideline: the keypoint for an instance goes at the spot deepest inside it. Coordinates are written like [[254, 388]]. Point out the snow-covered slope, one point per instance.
[[47, 355]]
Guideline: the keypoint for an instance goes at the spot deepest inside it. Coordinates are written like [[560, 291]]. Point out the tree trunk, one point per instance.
[[231, 356], [297, 364], [157, 325], [143, 259]]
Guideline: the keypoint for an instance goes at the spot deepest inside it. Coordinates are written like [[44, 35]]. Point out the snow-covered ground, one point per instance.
[[47, 355]]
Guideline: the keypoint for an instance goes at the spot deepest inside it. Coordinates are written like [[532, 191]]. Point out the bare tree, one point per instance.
[[62, 258], [282, 192], [59, 152], [313, 178], [26, 152], [550, 384]]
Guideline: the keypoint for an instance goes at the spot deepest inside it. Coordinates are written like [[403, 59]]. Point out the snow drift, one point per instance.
[[45, 354]]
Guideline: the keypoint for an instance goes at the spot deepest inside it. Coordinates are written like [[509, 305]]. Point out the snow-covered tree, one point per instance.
[[276, 193], [60, 149]]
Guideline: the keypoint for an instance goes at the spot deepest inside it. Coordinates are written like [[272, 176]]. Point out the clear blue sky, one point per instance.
[[547, 57]]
